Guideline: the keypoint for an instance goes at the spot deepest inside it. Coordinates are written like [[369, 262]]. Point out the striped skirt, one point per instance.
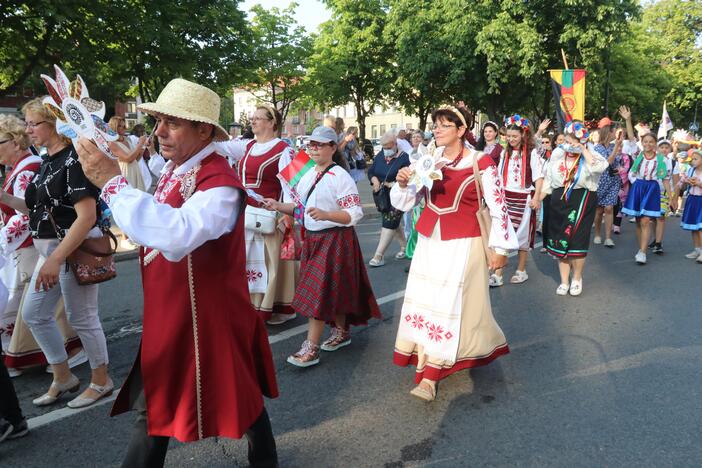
[[522, 217]]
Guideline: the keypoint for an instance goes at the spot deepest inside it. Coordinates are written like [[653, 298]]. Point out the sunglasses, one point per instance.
[[317, 145]]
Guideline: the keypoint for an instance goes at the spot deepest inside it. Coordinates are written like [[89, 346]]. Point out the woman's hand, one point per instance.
[[317, 214], [48, 275], [535, 203], [497, 262], [543, 126], [625, 112], [403, 176], [271, 204], [375, 182]]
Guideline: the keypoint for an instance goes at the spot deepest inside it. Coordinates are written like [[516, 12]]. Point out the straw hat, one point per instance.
[[190, 101]]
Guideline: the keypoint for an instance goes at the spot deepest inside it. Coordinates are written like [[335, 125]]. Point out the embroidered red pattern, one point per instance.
[[499, 196], [24, 179], [17, 228], [349, 201], [112, 188], [253, 275]]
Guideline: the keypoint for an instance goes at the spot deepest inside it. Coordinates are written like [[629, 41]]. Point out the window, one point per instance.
[[382, 129], [374, 131], [393, 127], [131, 107]]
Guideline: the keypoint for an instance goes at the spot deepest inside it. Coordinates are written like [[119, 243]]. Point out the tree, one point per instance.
[[351, 59], [281, 49]]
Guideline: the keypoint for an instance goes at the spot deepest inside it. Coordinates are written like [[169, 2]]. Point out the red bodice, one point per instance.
[[259, 173], [453, 203]]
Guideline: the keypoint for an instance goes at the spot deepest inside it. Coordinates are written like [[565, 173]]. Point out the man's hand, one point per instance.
[[98, 167]]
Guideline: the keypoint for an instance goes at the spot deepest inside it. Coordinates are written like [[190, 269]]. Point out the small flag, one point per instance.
[[293, 172], [569, 93], [666, 124]]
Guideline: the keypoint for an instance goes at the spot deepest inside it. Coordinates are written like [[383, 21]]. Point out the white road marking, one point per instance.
[[66, 412]]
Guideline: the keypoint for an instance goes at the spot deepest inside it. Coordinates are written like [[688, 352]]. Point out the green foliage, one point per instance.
[[116, 44], [281, 49], [352, 58]]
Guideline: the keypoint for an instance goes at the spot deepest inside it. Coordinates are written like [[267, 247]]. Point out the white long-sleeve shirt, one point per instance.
[[335, 191], [175, 232], [502, 236]]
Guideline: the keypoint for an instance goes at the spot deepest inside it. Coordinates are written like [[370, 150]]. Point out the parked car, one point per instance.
[[302, 141]]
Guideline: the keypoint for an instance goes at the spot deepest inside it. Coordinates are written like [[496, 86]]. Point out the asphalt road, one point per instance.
[[610, 378]]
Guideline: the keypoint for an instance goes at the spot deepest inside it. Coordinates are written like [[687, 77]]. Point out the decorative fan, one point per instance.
[[425, 170], [77, 114]]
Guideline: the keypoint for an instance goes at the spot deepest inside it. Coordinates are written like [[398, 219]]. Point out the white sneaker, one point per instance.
[[598, 240], [640, 258], [693, 255], [495, 281], [609, 243], [632, 220], [699, 259], [14, 372], [562, 289]]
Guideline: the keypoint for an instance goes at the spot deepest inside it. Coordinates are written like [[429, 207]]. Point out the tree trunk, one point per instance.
[[361, 113]]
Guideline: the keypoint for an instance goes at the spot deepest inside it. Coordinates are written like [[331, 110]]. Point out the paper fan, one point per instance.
[[77, 114]]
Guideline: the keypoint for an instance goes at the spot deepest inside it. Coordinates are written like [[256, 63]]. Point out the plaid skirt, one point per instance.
[[570, 222], [333, 278]]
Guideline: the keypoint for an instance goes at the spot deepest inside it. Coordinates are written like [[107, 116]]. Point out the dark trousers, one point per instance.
[[150, 451], [9, 406]]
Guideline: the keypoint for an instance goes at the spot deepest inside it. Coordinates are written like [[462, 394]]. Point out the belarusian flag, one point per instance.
[[293, 172], [569, 94]]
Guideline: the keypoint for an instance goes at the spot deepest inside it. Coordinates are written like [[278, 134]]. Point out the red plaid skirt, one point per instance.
[[333, 278]]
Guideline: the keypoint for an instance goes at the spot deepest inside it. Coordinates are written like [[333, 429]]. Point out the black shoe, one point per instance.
[[407, 268], [21, 430], [5, 429], [657, 249], [652, 245]]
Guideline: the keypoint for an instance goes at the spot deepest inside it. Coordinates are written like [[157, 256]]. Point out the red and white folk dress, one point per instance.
[[446, 323]]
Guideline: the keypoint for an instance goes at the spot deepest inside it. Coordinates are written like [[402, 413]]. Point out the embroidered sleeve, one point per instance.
[[233, 149], [348, 201], [14, 233], [112, 188], [502, 235], [347, 197], [21, 183]]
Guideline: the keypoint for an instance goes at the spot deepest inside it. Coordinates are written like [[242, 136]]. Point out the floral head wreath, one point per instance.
[[518, 120], [578, 130], [455, 111]]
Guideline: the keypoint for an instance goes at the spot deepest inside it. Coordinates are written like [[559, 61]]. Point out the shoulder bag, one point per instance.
[[381, 198], [93, 261]]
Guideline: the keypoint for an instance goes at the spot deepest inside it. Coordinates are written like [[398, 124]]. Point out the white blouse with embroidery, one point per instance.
[[514, 170], [15, 229], [558, 166], [335, 191], [502, 235], [175, 232]]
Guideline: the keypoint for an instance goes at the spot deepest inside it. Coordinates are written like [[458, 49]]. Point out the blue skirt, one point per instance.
[[644, 199], [692, 216]]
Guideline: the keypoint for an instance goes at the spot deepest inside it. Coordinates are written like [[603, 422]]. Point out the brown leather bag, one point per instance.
[[93, 261], [483, 214]]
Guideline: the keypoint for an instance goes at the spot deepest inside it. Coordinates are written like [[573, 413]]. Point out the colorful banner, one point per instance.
[[569, 94]]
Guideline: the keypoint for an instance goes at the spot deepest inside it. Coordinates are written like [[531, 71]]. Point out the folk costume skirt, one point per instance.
[[333, 278], [644, 199], [446, 323], [282, 278], [522, 217], [570, 222], [692, 216]]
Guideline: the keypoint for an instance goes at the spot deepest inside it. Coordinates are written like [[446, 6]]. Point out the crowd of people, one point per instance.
[[227, 244]]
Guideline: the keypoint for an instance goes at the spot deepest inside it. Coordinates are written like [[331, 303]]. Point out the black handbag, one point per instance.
[[382, 199]]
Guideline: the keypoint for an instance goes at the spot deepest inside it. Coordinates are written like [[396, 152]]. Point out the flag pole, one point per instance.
[[565, 60]]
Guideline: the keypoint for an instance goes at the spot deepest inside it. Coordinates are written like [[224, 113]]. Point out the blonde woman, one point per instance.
[[127, 154], [63, 211]]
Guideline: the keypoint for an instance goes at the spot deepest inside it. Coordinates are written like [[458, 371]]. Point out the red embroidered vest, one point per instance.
[[9, 187], [205, 358], [259, 173], [453, 203]]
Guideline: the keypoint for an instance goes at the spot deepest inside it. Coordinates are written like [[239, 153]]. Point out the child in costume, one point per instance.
[[656, 245], [333, 286], [691, 180], [649, 171], [521, 175]]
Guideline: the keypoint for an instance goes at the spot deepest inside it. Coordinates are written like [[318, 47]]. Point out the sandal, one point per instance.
[[422, 393], [562, 289], [495, 281], [377, 261], [400, 255], [576, 287], [519, 277]]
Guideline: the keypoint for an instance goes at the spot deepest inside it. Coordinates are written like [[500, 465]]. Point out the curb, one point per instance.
[[128, 255]]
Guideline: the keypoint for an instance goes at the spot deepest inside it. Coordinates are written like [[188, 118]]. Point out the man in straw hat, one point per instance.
[[204, 361]]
